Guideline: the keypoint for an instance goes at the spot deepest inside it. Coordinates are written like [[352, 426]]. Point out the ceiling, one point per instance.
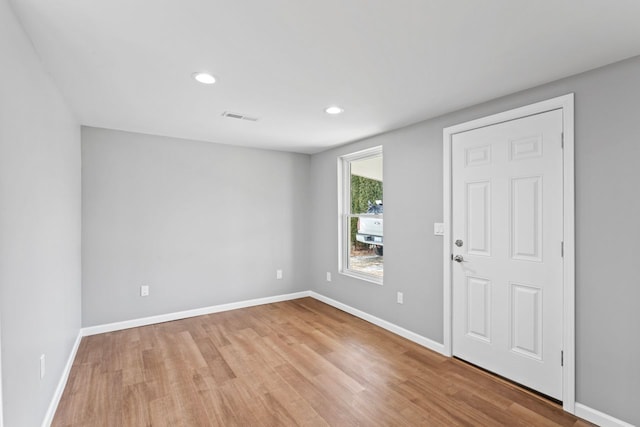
[[127, 64]]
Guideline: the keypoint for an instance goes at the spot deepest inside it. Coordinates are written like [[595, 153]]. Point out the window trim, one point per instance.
[[344, 211]]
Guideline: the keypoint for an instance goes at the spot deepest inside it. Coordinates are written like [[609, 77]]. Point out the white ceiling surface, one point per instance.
[[127, 64]]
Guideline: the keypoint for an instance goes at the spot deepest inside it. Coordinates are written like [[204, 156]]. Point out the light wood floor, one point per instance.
[[299, 362]]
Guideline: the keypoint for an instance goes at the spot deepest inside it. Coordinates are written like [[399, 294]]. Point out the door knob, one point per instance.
[[458, 258]]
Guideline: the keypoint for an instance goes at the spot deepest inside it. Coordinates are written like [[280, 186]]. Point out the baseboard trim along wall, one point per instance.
[[62, 383], [391, 327], [599, 418], [134, 323], [582, 411]]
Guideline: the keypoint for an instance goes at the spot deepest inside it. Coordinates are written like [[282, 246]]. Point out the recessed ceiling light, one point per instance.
[[204, 78], [333, 110]]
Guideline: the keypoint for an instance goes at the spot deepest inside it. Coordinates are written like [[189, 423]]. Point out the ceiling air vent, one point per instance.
[[239, 116]]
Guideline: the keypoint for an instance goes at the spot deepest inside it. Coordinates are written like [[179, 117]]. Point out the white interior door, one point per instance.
[[507, 228]]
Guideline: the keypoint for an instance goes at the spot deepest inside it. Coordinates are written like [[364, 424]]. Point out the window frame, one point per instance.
[[345, 214]]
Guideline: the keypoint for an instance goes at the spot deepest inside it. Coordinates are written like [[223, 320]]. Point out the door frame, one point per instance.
[[566, 104]]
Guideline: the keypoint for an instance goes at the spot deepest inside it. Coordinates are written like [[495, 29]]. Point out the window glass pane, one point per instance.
[[366, 232], [365, 249], [366, 186], [362, 209]]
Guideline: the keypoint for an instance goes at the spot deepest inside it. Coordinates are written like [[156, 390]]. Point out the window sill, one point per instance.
[[361, 276]]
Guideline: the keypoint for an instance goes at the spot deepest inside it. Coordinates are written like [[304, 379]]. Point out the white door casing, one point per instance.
[[509, 306]]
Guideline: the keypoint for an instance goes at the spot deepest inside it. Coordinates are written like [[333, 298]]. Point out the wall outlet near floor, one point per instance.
[[328, 276], [278, 274], [400, 298], [144, 290], [42, 366]]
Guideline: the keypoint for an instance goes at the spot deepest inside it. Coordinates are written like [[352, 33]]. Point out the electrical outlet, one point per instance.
[[144, 290], [42, 366], [278, 274], [400, 299], [328, 276]]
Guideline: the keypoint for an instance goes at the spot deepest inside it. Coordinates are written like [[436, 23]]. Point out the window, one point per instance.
[[360, 215]]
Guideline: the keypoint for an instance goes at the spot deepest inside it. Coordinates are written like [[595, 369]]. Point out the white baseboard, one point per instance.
[[581, 410], [62, 383], [599, 418], [110, 327], [391, 327], [134, 323]]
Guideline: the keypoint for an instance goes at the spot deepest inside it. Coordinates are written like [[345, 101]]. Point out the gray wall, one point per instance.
[[607, 211], [39, 228], [200, 223]]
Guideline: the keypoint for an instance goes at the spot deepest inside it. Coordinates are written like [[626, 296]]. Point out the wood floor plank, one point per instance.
[[294, 363], [298, 408], [330, 407], [135, 411]]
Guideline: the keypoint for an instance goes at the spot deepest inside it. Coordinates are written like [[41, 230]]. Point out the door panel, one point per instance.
[[507, 210], [479, 217], [526, 318], [479, 308], [526, 218]]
